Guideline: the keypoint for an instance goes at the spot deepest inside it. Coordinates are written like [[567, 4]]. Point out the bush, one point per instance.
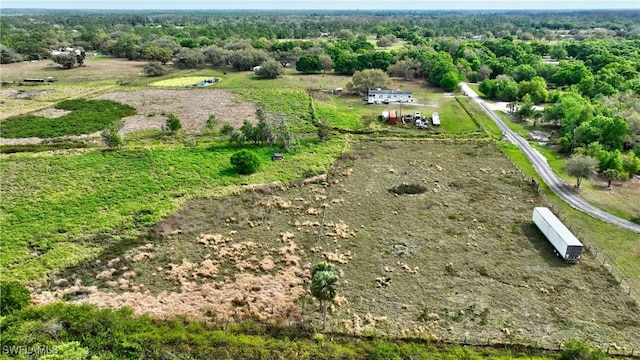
[[245, 161], [13, 296], [154, 68], [173, 123], [578, 350], [112, 135], [211, 121], [226, 129]]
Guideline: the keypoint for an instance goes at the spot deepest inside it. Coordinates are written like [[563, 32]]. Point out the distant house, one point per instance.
[[377, 96]]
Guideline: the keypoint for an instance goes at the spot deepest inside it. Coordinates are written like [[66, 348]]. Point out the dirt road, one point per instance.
[[564, 191]]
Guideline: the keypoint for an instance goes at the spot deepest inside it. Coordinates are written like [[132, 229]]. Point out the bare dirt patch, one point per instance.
[[95, 69], [51, 113], [461, 260], [193, 107]]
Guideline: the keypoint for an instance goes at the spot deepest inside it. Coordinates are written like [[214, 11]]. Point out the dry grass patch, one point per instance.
[[193, 107], [464, 260]]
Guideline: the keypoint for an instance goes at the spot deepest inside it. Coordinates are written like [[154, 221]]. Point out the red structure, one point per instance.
[[393, 118]]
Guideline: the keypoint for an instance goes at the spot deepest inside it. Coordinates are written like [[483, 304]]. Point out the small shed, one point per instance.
[[385, 115], [435, 119], [393, 118]]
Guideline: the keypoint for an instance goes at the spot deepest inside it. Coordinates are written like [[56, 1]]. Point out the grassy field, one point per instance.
[[55, 207], [142, 337], [79, 117], [461, 260], [164, 223], [484, 121], [97, 68], [400, 44], [619, 247]]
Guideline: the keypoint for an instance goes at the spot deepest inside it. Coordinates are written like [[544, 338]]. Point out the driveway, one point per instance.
[[557, 185]]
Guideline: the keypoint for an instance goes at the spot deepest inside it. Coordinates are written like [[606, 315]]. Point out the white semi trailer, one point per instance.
[[566, 245]]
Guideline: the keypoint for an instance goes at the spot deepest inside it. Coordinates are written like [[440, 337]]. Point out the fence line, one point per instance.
[[506, 342], [597, 254]]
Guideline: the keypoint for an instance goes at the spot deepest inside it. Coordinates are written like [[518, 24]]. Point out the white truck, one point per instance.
[[566, 245]]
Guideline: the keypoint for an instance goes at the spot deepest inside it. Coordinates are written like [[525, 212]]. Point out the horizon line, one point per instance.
[[324, 9]]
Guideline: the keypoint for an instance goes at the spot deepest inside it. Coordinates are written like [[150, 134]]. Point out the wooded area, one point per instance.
[[585, 64]]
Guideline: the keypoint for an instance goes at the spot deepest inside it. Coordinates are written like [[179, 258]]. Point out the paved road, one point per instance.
[[539, 162]]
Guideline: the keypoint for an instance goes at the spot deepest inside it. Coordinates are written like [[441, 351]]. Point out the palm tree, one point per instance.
[[324, 285], [321, 266]]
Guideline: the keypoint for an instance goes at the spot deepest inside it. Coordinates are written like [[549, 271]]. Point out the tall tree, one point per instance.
[[308, 63], [364, 80], [610, 175], [270, 69], [581, 167], [326, 64], [324, 286]]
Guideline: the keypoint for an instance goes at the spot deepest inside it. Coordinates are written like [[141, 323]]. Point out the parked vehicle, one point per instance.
[[417, 115], [566, 245]]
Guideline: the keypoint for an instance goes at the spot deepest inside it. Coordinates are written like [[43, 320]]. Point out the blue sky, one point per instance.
[[325, 4]]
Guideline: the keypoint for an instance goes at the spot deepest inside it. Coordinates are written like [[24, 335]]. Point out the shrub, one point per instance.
[[13, 296], [67, 351], [580, 350], [245, 161], [211, 121], [113, 135], [173, 123], [154, 68], [227, 129]]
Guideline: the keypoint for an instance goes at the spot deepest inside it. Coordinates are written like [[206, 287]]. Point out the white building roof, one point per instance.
[[388, 92]]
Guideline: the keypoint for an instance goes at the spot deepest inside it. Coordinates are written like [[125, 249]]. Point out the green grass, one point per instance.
[[620, 247], [230, 79], [481, 118], [85, 117], [454, 119], [398, 45], [293, 105], [179, 81], [337, 117], [52, 206], [118, 334], [520, 128]]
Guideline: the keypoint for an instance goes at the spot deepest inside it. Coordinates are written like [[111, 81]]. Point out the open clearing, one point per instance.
[[193, 107], [96, 68], [459, 260]]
